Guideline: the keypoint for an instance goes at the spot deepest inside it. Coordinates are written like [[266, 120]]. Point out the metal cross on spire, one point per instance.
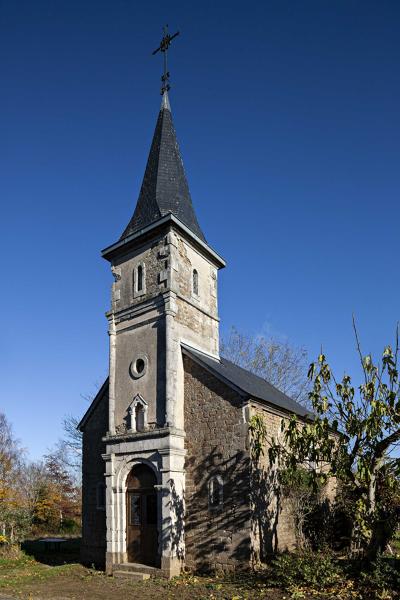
[[163, 47]]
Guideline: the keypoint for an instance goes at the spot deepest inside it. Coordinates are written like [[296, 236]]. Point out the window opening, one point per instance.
[[140, 365], [215, 492], [136, 419], [139, 415], [195, 282], [134, 505], [139, 278]]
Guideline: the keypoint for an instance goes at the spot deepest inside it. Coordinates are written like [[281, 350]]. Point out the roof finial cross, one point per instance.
[[163, 47]]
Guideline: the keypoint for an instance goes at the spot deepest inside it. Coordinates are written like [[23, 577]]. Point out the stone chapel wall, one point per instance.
[[216, 436], [272, 520], [273, 526], [93, 548]]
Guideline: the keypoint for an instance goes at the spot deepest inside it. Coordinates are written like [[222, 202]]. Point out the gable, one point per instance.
[[101, 395], [246, 383]]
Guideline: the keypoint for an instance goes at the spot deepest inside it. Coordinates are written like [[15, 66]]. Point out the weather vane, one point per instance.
[[163, 47]]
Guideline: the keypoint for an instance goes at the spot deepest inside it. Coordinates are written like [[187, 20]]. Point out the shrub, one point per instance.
[[70, 526], [382, 575], [10, 551], [313, 569], [303, 500]]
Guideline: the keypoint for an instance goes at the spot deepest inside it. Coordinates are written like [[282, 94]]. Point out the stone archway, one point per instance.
[[141, 516]]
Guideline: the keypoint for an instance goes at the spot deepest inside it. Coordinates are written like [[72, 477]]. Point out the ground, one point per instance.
[[28, 579], [40, 574]]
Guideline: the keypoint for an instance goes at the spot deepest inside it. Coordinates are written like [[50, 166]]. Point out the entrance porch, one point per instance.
[[145, 502]]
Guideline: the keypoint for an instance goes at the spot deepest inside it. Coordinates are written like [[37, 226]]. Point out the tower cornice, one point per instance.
[[138, 237]]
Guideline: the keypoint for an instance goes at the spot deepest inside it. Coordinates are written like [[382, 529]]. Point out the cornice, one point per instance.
[[131, 241]]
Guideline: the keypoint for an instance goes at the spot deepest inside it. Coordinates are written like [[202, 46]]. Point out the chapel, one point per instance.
[[168, 480]]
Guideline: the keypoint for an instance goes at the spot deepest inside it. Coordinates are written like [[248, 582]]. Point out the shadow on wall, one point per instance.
[[218, 537], [173, 525], [266, 502]]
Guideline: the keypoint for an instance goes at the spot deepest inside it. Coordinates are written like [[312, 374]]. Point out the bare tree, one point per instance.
[[69, 447], [32, 477], [278, 362]]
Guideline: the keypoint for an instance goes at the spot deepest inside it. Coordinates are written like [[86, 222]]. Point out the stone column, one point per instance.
[[120, 520], [173, 506], [115, 511], [170, 359], [111, 385], [110, 506]]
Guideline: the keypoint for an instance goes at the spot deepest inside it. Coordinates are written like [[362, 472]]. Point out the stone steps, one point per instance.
[[136, 571], [131, 575]]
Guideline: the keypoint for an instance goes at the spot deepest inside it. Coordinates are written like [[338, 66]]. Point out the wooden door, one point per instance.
[[142, 532]]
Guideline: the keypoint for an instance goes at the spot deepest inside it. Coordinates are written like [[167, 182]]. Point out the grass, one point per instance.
[[16, 572], [27, 578], [51, 576]]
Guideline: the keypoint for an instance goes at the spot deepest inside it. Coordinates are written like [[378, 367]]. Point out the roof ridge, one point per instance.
[[253, 385], [255, 375]]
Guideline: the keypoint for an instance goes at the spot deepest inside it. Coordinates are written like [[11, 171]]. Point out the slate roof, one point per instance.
[[164, 188], [246, 382]]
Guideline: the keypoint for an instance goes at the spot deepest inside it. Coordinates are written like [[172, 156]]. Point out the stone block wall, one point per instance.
[[138, 336], [186, 258], [93, 550], [196, 313], [272, 521], [216, 436], [273, 525], [155, 258]]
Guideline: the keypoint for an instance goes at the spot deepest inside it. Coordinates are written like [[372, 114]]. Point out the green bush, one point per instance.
[[382, 575], [70, 526], [313, 569]]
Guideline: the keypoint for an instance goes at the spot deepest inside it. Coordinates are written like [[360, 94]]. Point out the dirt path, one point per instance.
[[74, 582]]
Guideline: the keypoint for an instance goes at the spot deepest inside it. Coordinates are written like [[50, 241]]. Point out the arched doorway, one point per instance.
[[141, 516]]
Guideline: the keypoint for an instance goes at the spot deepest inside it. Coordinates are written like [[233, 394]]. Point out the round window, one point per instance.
[[138, 367]]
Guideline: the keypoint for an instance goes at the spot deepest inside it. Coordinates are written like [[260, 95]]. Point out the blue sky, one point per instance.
[[288, 121]]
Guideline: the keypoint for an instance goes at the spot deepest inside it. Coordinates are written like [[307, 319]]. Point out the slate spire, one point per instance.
[[164, 188]]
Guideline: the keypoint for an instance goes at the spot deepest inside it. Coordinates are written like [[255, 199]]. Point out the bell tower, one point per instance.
[[164, 296]]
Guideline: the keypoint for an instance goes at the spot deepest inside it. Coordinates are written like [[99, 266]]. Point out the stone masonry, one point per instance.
[[216, 443], [94, 518], [273, 526]]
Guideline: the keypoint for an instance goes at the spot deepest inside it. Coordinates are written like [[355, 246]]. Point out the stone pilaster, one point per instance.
[[170, 359], [173, 510], [112, 365]]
